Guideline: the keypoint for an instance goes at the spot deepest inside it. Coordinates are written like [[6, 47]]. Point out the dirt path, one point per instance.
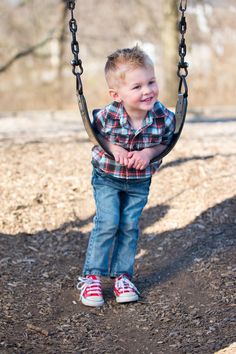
[[185, 265]]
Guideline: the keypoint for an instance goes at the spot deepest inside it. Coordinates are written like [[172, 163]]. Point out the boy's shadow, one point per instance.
[[61, 252], [171, 252]]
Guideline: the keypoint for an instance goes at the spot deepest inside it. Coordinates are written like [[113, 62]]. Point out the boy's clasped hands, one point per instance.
[[132, 159]]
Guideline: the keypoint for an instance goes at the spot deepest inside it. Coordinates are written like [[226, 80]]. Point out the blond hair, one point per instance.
[[125, 59]]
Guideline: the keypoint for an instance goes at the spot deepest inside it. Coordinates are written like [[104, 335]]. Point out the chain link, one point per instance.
[[182, 65], [76, 62]]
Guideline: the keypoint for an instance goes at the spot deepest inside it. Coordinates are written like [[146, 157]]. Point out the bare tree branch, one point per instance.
[[24, 2], [24, 53]]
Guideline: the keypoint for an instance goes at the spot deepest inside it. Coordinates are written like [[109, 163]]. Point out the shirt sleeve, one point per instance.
[[170, 123]]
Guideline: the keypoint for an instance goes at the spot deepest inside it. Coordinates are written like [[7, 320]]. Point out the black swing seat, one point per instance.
[[182, 72], [180, 114]]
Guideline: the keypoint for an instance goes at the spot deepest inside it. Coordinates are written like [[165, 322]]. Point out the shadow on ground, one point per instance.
[[186, 277]]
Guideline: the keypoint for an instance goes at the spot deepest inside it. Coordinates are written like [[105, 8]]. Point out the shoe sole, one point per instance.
[[121, 299], [92, 303]]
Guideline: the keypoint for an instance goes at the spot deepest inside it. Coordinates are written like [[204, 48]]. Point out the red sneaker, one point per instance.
[[90, 291], [124, 289]]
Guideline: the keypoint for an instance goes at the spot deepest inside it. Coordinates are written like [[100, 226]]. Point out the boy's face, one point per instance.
[[138, 90]]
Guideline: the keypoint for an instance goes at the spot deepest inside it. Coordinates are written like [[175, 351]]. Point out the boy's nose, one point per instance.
[[146, 90]]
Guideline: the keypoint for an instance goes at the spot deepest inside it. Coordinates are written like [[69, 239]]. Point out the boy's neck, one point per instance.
[[136, 118], [136, 123]]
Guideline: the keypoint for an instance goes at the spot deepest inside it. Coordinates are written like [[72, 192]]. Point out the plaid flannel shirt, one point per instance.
[[112, 124]]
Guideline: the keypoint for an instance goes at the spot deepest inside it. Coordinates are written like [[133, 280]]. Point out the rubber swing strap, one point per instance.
[[85, 115], [180, 114]]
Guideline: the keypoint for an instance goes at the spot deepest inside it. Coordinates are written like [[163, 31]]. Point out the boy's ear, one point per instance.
[[114, 94]]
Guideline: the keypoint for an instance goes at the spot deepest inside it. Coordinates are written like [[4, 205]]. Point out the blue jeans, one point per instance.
[[113, 240]]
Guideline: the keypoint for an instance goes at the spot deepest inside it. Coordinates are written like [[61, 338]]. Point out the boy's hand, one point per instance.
[[139, 159], [120, 154]]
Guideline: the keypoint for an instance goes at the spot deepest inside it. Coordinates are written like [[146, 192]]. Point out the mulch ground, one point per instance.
[[185, 266]]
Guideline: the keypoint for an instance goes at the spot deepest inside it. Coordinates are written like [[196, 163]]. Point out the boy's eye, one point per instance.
[[136, 87], [152, 82]]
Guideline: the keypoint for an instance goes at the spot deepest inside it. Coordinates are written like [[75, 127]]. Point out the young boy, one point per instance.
[[134, 128]]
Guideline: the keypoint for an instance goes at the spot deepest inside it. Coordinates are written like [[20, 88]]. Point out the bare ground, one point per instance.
[[185, 265]]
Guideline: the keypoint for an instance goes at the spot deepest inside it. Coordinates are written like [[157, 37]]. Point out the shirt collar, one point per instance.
[[148, 120], [122, 115]]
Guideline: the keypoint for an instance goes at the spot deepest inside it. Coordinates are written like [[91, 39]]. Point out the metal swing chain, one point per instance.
[[182, 65], [182, 72], [76, 62]]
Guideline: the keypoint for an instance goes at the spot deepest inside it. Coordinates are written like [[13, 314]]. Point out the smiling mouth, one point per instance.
[[147, 99]]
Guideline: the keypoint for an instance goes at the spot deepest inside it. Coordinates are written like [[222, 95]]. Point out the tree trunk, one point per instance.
[[61, 53], [169, 36]]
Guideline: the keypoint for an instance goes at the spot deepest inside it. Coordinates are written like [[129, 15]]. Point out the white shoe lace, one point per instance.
[[124, 283], [85, 282]]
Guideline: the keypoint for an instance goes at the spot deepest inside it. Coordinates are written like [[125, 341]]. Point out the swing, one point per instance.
[[182, 72]]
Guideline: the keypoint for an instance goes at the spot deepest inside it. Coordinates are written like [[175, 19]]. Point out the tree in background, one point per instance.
[[35, 42], [166, 31], [169, 37]]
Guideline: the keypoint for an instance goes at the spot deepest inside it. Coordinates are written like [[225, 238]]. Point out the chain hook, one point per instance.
[[183, 84], [183, 5], [71, 4], [79, 85]]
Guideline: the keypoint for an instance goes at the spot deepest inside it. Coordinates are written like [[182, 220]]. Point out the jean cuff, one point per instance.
[[95, 272], [117, 274]]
